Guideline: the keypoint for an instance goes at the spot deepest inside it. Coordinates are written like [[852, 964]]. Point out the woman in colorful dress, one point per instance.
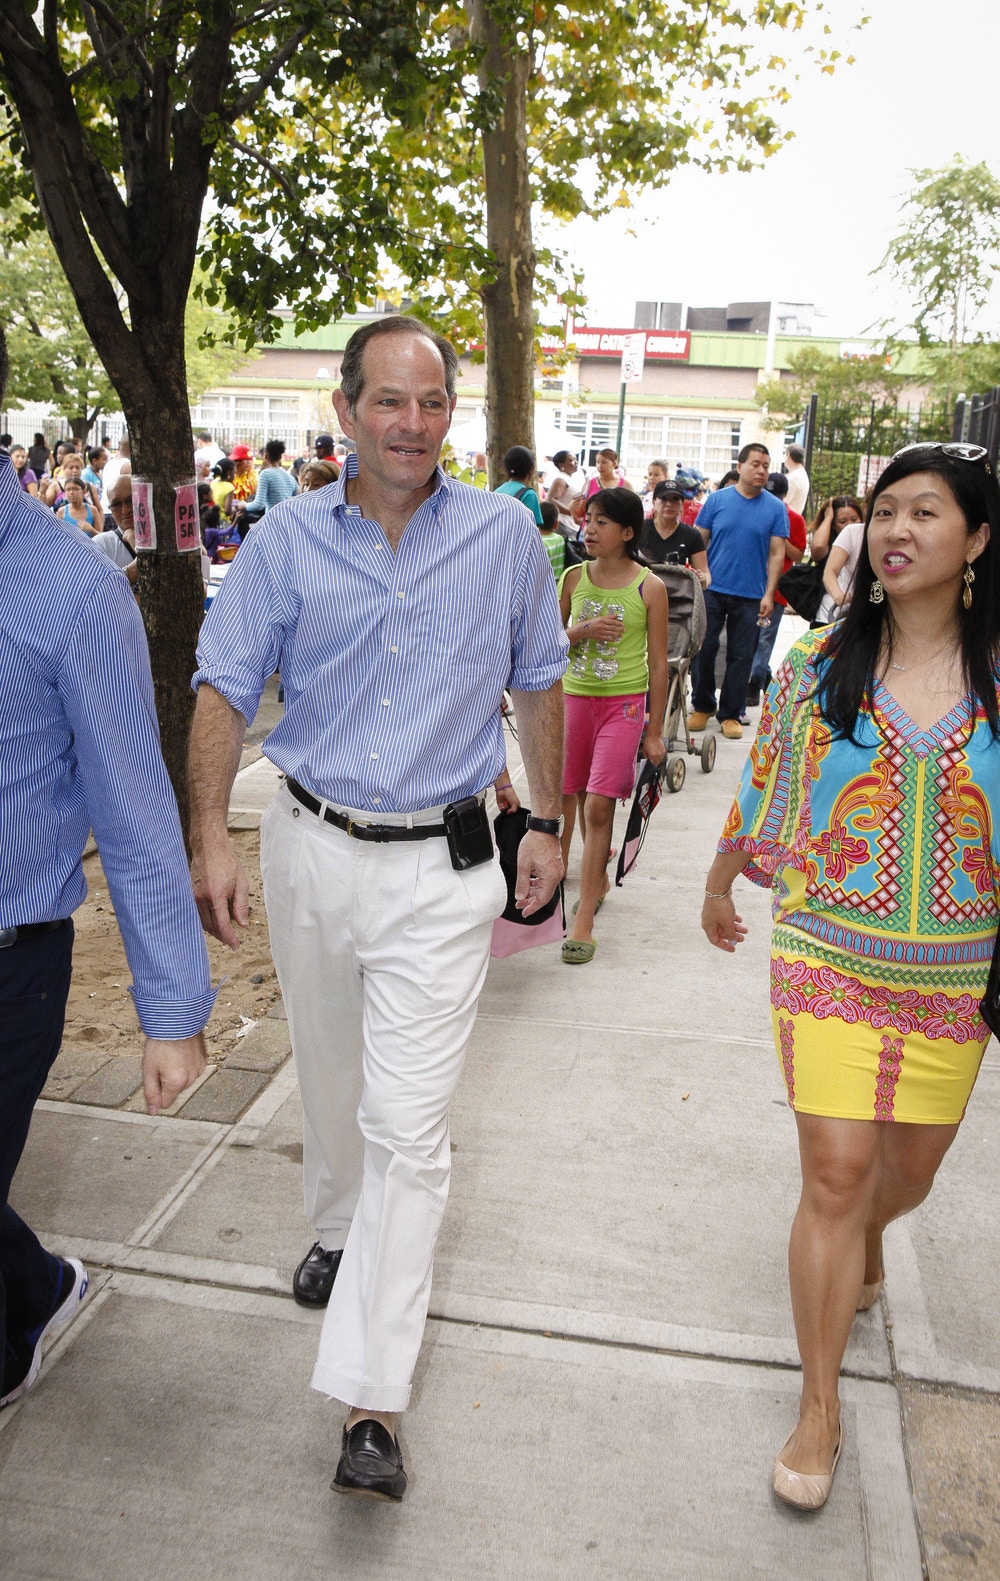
[[866, 805], [615, 611]]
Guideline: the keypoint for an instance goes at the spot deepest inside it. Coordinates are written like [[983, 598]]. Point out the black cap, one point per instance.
[[668, 491]]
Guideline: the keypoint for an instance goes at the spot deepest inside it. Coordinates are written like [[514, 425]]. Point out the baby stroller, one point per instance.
[[685, 635]]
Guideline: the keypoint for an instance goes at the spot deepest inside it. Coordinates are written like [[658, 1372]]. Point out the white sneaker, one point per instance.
[[66, 1309]]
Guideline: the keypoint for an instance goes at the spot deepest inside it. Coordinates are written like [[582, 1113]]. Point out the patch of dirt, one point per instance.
[[100, 1008]]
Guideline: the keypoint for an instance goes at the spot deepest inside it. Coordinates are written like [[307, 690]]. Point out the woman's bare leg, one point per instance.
[[569, 823], [910, 1158], [594, 880], [826, 1259]]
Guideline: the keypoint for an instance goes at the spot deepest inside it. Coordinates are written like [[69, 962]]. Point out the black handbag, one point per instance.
[[802, 588], [989, 1005]]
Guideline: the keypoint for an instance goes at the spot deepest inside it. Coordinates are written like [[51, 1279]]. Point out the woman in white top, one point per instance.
[[838, 573], [564, 490]]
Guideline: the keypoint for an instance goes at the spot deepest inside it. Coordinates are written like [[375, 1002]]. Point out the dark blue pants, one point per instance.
[[765, 647], [34, 984], [739, 617]]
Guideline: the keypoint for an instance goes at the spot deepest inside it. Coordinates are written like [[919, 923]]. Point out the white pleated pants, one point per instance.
[[381, 952]]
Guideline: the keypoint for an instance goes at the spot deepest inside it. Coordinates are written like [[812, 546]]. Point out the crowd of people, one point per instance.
[[402, 608]]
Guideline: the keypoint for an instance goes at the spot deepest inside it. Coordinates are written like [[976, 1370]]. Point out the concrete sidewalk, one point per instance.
[[610, 1365]]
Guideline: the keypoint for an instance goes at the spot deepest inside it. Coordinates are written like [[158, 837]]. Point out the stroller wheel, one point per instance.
[[676, 770], [708, 749]]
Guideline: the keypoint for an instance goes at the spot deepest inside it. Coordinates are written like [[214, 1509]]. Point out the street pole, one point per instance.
[[633, 356]]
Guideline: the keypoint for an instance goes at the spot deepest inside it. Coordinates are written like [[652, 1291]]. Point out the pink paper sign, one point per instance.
[[186, 517], [142, 513]]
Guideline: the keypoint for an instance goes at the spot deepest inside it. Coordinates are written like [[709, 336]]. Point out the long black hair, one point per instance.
[[847, 680], [624, 507]]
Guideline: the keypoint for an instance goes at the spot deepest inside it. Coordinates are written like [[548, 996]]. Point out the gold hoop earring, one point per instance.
[[969, 578], [877, 593]]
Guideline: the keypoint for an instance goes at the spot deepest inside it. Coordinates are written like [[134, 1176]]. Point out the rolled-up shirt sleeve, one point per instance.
[[539, 646], [241, 638], [106, 689]]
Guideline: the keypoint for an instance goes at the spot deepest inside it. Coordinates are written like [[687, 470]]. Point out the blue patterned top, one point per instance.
[[884, 850]]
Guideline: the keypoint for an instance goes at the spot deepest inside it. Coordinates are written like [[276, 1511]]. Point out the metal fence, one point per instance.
[[847, 448]]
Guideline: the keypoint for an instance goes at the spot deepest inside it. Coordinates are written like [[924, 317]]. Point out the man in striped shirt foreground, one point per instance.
[[399, 604], [79, 749]]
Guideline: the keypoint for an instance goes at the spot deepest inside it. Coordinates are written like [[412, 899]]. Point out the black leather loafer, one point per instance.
[[313, 1279], [371, 1463]]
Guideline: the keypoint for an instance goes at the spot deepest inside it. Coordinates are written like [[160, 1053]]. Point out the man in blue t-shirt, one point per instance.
[[745, 530]]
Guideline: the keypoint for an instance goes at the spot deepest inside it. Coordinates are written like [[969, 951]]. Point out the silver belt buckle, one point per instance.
[[8, 937]]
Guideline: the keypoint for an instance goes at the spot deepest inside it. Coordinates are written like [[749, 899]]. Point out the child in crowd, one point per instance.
[[615, 612]]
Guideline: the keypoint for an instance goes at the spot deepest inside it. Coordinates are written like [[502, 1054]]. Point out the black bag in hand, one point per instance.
[[802, 588]]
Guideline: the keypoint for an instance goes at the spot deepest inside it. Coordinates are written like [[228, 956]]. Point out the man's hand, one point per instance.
[[766, 609], [539, 870], [168, 1066], [221, 890]]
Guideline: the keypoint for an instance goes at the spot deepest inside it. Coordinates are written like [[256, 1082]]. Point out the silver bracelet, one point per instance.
[[711, 895]]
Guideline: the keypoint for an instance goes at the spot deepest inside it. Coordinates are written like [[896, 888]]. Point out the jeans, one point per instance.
[[739, 617], [765, 647], [34, 985]]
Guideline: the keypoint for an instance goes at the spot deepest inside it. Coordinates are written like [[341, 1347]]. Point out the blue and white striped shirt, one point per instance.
[[80, 749], [393, 665]]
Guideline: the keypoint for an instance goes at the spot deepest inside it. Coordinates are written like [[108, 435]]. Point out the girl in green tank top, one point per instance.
[[615, 612]]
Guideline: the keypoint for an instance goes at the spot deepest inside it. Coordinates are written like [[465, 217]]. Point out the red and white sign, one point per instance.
[[142, 513], [186, 517], [660, 345]]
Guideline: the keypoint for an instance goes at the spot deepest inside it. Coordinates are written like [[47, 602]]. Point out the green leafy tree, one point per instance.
[[52, 358], [947, 254], [849, 390], [571, 109], [119, 119]]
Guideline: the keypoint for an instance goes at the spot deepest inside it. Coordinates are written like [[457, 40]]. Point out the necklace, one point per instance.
[[920, 662]]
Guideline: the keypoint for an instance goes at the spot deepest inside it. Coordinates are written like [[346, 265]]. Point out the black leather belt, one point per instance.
[[27, 930], [363, 831]]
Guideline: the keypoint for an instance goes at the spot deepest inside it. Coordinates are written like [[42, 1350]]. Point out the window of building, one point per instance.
[[722, 446], [643, 444]]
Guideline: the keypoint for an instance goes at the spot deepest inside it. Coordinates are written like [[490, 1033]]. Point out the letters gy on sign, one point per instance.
[[142, 513]]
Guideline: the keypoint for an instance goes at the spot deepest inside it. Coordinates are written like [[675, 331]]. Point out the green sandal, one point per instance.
[[577, 952]]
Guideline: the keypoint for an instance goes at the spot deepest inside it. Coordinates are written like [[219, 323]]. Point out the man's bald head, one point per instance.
[[121, 490]]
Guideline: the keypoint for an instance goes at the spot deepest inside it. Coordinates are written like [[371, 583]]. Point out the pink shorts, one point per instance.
[[602, 739]]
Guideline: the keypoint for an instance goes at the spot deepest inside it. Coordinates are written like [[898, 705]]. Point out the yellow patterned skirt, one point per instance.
[[854, 1048]]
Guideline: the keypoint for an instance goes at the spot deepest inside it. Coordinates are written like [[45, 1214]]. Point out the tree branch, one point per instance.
[[256, 93], [275, 171]]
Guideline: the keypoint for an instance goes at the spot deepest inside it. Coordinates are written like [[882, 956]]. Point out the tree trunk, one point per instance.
[[508, 304], [168, 584]]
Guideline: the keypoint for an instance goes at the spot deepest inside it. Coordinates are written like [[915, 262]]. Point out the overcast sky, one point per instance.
[[816, 219]]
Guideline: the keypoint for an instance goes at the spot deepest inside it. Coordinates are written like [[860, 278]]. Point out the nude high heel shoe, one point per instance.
[[805, 1492]]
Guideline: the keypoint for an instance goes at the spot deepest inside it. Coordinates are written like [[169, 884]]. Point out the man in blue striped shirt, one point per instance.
[[79, 749], [399, 605]]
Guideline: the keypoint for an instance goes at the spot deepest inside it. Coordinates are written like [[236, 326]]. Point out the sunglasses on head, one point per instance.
[[958, 451]]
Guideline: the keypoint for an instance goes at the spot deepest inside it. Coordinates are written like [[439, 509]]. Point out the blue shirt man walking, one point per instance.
[[745, 530], [399, 604], [79, 750]]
